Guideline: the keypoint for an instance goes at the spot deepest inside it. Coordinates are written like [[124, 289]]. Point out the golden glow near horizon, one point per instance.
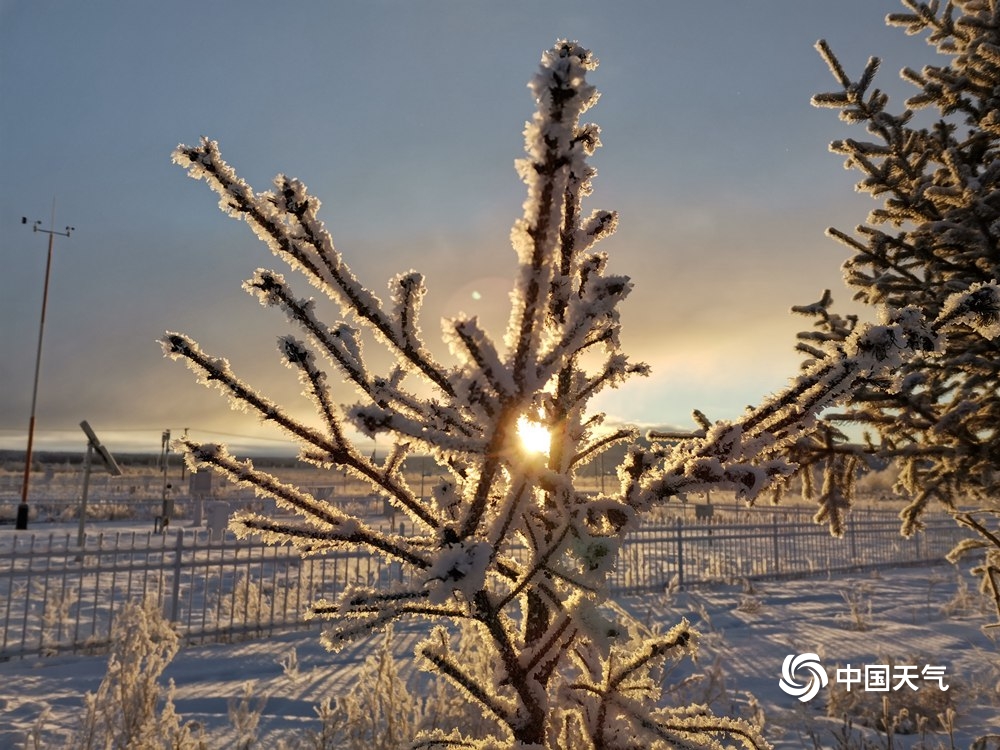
[[534, 437], [717, 207]]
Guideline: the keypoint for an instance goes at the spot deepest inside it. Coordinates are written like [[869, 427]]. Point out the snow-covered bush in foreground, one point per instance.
[[506, 543], [932, 242], [130, 708], [377, 713]]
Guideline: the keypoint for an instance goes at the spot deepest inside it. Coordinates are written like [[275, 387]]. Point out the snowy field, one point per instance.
[[907, 616]]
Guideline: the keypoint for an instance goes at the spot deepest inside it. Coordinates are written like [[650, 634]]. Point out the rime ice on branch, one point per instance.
[[932, 242], [506, 542]]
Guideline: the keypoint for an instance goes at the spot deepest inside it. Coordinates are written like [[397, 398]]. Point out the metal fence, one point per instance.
[[59, 597], [685, 554]]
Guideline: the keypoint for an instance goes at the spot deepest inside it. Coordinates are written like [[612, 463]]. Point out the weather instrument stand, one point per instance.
[[93, 446]]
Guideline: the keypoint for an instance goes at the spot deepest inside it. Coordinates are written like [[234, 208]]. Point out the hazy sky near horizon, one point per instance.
[[404, 118]]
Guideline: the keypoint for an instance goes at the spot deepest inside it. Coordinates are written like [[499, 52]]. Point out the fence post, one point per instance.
[[680, 553], [175, 605], [852, 537], [774, 541]]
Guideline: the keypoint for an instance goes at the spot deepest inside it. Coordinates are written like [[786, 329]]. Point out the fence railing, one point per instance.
[[56, 596], [684, 554]]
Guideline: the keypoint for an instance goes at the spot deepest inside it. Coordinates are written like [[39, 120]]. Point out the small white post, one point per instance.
[[83, 498]]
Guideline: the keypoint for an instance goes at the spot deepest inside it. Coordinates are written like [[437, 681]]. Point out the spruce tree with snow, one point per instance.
[[506, 546], [934, 169]]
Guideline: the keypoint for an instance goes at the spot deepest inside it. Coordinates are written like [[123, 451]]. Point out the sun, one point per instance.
[[534, 437]]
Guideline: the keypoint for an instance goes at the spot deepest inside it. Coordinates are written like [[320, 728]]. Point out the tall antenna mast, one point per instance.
[[22, 509]]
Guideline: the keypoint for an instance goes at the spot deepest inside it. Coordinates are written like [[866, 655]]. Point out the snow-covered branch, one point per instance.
[[931, 244], [287, 221]]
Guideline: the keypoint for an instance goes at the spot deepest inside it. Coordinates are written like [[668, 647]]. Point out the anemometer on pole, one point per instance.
[[22, 509]]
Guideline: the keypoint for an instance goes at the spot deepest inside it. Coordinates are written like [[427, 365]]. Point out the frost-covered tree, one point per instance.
[[506, 544], [935, 171]]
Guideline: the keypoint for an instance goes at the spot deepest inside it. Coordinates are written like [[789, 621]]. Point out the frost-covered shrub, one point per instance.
[[37, 738], [859, 605], [965, 601], [244, 716], [247, 604], [444, 706], [377, 713], [58, 603], [99, 511], [289, 664], [903, 711], [130, 708], [506, 541]]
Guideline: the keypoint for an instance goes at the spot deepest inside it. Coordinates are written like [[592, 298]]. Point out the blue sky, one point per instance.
[[405, 118]]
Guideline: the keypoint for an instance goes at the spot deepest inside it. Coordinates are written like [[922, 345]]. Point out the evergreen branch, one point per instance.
[[693, 728], [441, 740], [409, 292], [336, 344], [834, 64], [244, 472], [679, 637], [217, 371], [485, 356], [297, 356], [456, 674], [550, 641], [533, 723], [343, 455], [864, 252], [445, 419], [382, 605], [599, 446], [491, 467], [559, 289], [574, 342], [311, 248], [563, 95], [513, 505], [574, 582], [350, 532], [616, 369], [541, 563]]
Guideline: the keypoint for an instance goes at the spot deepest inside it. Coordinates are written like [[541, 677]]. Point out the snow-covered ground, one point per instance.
[[909, 616], [905, 616]]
